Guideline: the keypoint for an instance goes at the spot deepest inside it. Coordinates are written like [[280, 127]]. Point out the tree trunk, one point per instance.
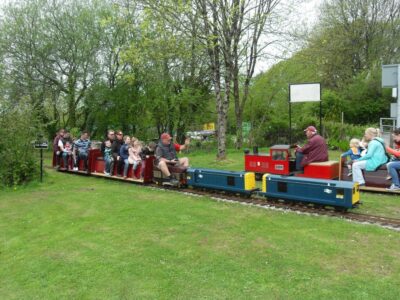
[[238, 111], [71, 110]]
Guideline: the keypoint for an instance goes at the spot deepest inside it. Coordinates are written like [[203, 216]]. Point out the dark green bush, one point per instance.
[[18, 129]]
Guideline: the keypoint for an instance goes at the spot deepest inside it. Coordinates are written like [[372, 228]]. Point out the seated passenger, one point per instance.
[[146, 152], [373, 159], [108, 158], [315, 150], [394, 165], [124, 154], [65, 146], [116, 147], [354, 153], [166, 154], [56, 149], [110, 137], [134, 156], [81, 148]]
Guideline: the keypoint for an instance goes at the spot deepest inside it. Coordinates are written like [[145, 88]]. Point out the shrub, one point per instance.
[[18, 128], [338, 135]]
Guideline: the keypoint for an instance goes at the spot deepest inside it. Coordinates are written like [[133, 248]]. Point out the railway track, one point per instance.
[[391, 223], [276, 204]]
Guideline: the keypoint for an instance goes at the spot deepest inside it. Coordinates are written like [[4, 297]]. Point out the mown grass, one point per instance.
[[77, 237]]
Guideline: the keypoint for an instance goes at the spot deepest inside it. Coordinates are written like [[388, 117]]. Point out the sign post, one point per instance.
[[41, 144], [391, 79], [304, 92]]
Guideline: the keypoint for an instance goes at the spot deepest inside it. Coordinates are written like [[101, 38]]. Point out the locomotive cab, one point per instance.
[[280, 160], [283, 161]]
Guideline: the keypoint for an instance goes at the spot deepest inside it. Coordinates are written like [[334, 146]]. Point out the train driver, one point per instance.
[[315, 150], [166, 154]]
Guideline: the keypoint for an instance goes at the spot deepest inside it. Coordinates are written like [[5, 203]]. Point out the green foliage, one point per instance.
[[18, 128], [339, 135]]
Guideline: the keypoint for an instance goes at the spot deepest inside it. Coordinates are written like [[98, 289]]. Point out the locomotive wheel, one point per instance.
[[340, 209]]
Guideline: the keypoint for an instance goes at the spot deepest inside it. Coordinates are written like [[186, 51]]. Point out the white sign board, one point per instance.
[[394, 92], [389, 76], [305, 92]]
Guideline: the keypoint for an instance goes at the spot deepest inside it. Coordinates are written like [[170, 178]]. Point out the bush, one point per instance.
[[18, 128], [338, 135]]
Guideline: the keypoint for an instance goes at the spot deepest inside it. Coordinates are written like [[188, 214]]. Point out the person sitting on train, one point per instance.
[[115, 148], [354, 153], [65, 145], [393, 166], [81, 147], [110, 137], [148, 150], [56, 150], [108, 158], [373, 159], [315, 150], [134, 155], [166, 154], [145, 153], [124, 154]]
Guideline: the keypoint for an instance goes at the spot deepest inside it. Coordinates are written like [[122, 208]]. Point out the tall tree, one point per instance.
[[354, 36], [249, 19], [52, 50]]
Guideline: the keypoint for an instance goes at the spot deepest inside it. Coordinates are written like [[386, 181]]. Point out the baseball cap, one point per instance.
[[311, 128], [165, 136]]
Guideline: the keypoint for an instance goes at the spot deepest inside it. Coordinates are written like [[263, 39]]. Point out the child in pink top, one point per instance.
[[134, 156]]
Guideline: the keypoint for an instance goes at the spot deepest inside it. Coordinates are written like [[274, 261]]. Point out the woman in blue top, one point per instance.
[[375, 156]]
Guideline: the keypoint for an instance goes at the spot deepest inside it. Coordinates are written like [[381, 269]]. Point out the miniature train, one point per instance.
[[281, 161], [326, 192]]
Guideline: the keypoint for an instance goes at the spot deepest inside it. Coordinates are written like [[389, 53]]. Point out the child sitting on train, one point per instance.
[[124, 154], [66, 146], [354, 153], [134, 155], [108, 158]]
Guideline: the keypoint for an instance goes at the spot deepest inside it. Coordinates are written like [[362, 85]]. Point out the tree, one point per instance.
[[252, 18], [51, 50], [354, 36], [171, 66]]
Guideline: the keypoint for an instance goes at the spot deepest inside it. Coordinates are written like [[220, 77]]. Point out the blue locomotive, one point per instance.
[[234, 182], [335, 193], [339, 194]]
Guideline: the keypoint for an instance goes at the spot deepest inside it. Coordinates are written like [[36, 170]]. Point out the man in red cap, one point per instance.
[[166, 154], [315, 150]]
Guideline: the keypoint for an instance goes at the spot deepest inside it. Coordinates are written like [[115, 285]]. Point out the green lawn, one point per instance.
[[76, 237]]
